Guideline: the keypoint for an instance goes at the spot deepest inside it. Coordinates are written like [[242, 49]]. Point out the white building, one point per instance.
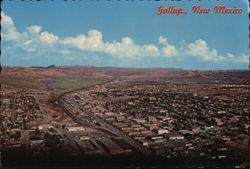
[[162, 131], [74, 129]]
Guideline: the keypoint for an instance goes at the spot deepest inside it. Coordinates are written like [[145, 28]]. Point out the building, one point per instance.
[[75, 129]]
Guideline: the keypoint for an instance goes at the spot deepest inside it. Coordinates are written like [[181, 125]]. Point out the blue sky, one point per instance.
[[124, 34]]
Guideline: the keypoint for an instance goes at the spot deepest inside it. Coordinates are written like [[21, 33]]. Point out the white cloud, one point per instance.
[[28, 46], [35, 40], [30, 40], [6, 20], [78, 41], [162, 40], [241, 59], [126, 48], [48, 38], [127, 41], [200, 49], [151, 50], [91, 42], [35, 28], [64, 52], [129, 49], [8, 31], [167, 50]]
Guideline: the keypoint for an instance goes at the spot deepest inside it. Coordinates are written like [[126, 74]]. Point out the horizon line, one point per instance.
[[94, 66]]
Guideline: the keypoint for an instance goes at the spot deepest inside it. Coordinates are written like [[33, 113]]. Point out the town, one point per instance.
[[129, 118], [171, 122]]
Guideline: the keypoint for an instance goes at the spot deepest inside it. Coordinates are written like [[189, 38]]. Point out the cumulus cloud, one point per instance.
[[127, 47], [167, 50], [29, 40], [241, 59], [200, 49], [35, 35], [162, 40], [35, 28], [92, 42], [48, 38], [6, 20], [9, 31], [34, 39], [151, 50], [28, 46]]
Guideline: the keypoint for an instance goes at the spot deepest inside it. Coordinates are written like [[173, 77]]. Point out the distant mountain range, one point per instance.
[[88, 70]]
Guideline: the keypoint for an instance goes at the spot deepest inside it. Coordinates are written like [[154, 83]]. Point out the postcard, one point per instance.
[[125, 84]]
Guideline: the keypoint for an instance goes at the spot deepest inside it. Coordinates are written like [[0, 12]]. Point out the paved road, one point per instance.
[[72, 114], [118, 132], [63, 99], [14, 109]]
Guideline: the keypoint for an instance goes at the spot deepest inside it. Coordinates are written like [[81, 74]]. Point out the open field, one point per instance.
[[52, 80], [20, 82], [59, 84]]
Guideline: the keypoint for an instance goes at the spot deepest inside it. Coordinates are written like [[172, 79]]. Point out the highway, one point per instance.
[[13, 113], [118, 132], [72, 114], [70, 106]]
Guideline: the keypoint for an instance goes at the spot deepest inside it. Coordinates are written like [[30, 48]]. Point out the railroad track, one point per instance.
[[65, 106]]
